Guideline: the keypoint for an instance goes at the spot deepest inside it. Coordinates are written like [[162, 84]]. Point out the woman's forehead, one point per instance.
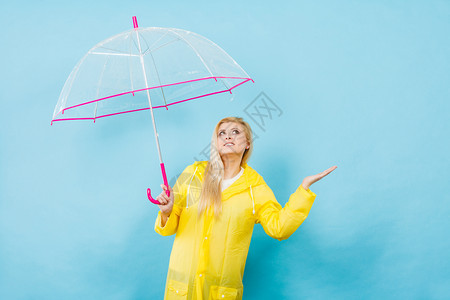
[[230, 125]]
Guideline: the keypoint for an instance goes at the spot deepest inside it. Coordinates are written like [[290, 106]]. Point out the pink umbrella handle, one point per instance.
[[149, 196], [149, 192]]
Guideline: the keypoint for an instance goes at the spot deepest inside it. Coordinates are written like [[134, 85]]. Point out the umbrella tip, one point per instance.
[[135, 23]]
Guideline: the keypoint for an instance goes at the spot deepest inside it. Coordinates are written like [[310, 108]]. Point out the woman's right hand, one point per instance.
[[166, 205]]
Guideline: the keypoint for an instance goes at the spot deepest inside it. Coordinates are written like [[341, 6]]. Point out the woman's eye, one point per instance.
[[221, 132], [235, 131]]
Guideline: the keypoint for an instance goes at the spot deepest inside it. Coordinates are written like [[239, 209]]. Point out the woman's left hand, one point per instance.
[[309, 180]]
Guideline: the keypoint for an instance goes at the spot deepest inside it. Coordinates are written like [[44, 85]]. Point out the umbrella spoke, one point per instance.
[[199, 56], [159, 80], [163, 45], [141, 38], [114, 51], [116, 54], [160, 38], [129, 62], [99, 85]]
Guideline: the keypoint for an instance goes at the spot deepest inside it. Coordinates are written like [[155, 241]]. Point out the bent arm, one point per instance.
[[168, 225], [279, 222]]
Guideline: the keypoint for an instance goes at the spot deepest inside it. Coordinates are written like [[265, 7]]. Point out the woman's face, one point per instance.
[[231, 140]]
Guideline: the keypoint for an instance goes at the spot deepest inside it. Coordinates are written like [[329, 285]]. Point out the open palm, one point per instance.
[[309, 180]]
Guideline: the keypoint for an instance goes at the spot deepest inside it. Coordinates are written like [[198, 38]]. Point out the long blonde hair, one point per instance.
[[211, 194]]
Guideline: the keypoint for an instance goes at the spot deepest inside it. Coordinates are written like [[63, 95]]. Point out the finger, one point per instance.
[[332, 169], [161, 200], [165, 188], [327, 171], [166, 197]]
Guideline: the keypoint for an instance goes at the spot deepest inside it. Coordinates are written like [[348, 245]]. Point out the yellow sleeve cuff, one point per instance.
[[302, 200], [171, 225]]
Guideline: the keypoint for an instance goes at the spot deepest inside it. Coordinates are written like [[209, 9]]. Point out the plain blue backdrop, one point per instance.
[[363, 85]]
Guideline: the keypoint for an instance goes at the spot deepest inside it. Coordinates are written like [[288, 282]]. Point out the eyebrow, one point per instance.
[[229, 128]]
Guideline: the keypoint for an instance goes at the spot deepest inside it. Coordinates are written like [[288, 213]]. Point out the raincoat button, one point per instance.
[[200, 275], [177, 291], [206, 237], [223, 296]]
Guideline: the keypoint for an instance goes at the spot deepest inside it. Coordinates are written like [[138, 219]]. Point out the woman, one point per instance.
[[213, 208]]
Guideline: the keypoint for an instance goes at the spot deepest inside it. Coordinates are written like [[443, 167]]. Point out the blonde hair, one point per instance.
[[211, 194]]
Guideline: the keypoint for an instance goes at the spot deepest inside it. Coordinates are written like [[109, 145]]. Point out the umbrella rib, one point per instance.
[[142, 38], [223, 51], [117, 54], [99, 84], [159, 79], [70, 82], [111, 49], [160, 38], [196, 52], [129, 62], [163, 45]]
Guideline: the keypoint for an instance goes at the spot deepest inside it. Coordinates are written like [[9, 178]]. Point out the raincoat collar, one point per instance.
[[250, 178]]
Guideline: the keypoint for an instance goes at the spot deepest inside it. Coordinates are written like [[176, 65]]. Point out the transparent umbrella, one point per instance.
[[168, 65]]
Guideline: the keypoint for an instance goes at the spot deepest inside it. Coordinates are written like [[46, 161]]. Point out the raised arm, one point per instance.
[[279, 222]]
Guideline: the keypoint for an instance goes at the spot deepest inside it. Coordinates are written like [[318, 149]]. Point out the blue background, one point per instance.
[[363, 85]]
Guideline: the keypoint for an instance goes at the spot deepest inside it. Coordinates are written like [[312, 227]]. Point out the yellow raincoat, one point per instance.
[[208, 255]]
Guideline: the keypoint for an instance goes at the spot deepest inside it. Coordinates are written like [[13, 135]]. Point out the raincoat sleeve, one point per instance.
[[279, 222], [179, 191]]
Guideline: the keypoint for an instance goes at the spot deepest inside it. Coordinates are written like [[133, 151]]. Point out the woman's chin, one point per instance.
[[229, 153]]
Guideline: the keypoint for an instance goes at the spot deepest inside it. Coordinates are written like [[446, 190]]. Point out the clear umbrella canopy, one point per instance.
[[173, 65]]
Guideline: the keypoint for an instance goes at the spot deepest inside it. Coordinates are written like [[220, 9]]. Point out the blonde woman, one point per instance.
[[212, 210]]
